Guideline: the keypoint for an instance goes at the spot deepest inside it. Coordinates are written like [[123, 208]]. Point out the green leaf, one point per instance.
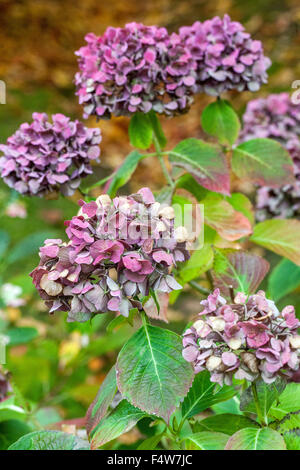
[[291, 422], [124, 172], [289, 401], [49, 440], [123, 418], [203, 394], [140, 131], [200, 261], [189, 183], [151, 372], [206, 441], [105, 395], [242, 204], [11, 431], [226, 423], [292, 441], [239, 269], [221, 121], [280, 236], [284, 278], [4, 242], [157, 129], [221, 216], [10, 410], [151, 443], [21, 335], [267, 394], [264, 162], [28, 246], [205, 162], [256, 439]]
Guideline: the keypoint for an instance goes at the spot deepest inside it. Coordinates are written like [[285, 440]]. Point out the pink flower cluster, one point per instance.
[[245, 340], [226, 56], [143, 68], [276, 117], [42, 157], [117, 251], [135, 68]]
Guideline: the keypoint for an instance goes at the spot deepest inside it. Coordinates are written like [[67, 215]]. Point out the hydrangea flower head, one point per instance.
[[135, 68], [43, 157], [226, 55], [276, 117], [117, 250], [247, 339]]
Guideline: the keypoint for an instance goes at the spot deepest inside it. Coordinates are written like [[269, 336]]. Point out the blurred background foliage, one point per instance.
[[55, 368]]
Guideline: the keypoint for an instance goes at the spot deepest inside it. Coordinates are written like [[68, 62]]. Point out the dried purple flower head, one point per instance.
[[135, 68], [245, 340], [42, 157], [5, 387], [227, 58], [117, 250], [276, 117]]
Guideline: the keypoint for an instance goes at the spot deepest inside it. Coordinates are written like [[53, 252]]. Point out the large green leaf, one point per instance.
[[10, 410], [289, 401], [264, 162], [221, 121], [49, 440], [290, 422], [267, 394], [226, 423], [280, 236], [157, 129], [123, 418], [124, 172], [151, 443], [200, 261], [284, 278], [239, 269], [105, 395], [256, 439], [292, 441], [151, 372], [140, 131], [221, 216], [203, 394], [206, 441], [242, 204], [205, 162]]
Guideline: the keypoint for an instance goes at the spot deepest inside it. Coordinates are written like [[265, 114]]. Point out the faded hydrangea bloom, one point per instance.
[[42, 157], [135, 68], [226, 55], [276, 117], [245, 340], [117, 250]]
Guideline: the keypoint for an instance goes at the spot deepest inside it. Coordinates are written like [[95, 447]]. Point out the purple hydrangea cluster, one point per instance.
[[276, 117], [247, 339], [227, 57], [43, 157], [135, 68], [117, 251]]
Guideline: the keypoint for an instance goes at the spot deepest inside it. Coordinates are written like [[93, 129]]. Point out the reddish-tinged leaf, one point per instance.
[[105, 395], [151, 372], [221, 216], [264, 162], [280, 236], [239, 269], [205, 162], [151, 310]]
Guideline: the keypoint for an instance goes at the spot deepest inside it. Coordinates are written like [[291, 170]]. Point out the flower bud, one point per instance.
[[167, 213], [213, 363], [295, 341], [181, 234], [234, 343], [218, 324], [52, 288]]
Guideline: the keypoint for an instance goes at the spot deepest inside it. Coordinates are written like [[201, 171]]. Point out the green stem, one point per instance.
[[199, 288], [259, 413], [162, 162]]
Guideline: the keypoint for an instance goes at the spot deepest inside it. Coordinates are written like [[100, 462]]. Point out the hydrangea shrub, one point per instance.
[[128, 256]]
